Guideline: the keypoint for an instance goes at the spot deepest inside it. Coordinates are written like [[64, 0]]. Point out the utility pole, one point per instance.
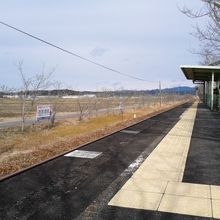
[[160, 93]]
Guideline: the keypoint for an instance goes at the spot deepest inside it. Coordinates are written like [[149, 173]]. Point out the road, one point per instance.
[[72, 187], [59, 117]]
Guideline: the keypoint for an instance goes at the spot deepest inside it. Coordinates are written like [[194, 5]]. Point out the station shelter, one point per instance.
[[209, 78]]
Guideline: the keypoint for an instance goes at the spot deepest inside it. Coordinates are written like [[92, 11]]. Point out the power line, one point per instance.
[[71, 53]]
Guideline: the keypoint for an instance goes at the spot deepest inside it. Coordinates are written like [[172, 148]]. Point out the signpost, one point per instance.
[[44, 112]]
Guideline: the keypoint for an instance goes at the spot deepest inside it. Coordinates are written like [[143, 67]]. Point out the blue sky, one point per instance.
[[148, 39]]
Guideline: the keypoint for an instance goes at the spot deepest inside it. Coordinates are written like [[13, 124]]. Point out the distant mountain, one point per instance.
[[65, 92], [179, 90]]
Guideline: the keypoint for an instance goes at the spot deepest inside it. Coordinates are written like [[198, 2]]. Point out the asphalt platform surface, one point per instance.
[[80, 188], [203, 161]]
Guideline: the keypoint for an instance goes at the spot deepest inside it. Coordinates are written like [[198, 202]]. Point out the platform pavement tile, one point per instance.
[[216, 208], [215, 192], [166, 141], [174, 150], [188, 189], [183, 131], [164, 155], [185, 153], [144, 185], [186, 205], [156, 174], [182, 164], [179, 146], [169, 141], [136, 199], [181, 173], [166, 158], [168, 165]]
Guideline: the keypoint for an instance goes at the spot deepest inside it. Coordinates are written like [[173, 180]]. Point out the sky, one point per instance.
[[146, 39]]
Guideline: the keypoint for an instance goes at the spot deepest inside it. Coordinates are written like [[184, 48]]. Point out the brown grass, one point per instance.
[[12, 107]]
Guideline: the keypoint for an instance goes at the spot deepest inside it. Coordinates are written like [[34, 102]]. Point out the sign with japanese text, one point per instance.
[[44, 112]]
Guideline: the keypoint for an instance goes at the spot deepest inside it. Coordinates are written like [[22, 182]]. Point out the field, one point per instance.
[[19, 150], [11, 107]]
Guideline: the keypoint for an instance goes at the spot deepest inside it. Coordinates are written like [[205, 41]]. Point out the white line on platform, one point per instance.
[[83, 154], [130, 131]]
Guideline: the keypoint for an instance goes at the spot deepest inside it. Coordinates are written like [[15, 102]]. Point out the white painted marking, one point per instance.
[[83, 154], [133, 166], [130, 132]]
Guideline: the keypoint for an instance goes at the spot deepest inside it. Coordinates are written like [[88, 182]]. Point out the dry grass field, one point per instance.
[[20, 150], [11, 108]]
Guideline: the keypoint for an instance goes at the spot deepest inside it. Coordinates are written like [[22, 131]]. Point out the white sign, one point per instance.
[[44, 112]]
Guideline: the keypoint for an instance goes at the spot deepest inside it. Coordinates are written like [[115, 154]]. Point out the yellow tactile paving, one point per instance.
[[136, 184], [163, 164], [216, 208], [157, 175], [186, 205], [157, 184], [188, 189], [215, 191], [136, 199]]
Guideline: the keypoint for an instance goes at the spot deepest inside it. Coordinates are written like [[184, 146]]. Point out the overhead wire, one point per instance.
[[72, 53]]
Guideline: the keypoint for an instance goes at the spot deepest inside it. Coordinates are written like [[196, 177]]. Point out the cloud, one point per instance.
[[122, 38], [126, 60], [98, 52]]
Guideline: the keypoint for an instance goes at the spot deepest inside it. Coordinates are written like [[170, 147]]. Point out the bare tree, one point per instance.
[[55, 100], [84, 107], [96, 105], [122, 107], [80, 109], [5, 90], [208, 35], [142, 100], [107, 99], [30, 87]]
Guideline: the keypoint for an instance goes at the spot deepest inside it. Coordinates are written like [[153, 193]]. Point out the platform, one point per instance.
[[166, 167], [157, 184]]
